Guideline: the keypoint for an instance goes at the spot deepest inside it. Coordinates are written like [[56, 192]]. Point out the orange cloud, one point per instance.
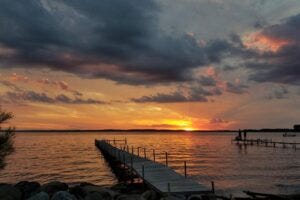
[[264, 42]]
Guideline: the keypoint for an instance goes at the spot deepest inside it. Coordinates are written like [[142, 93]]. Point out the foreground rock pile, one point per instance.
[[26, 190]]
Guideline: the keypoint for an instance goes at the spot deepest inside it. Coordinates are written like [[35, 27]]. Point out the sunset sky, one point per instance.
[[163, 64]]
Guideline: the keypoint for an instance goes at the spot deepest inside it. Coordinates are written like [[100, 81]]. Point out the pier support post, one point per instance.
[[145, 156], [132, 152], [167, 158], [213, 187], [169, 187], [124, 161], [138, 151], [153, 154], [185, 172]]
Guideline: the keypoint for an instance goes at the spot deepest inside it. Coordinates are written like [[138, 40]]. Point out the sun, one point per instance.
[[188, 129]]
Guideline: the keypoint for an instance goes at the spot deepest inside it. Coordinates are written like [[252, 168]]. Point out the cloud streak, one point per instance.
[[41, 97]]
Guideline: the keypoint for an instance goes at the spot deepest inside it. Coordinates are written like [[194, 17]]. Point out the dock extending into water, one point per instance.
[[154, 175], [268, 143]]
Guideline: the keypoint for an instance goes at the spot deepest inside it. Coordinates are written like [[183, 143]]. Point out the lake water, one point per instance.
[[73, 158]]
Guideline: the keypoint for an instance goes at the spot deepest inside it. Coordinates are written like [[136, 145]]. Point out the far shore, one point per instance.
[[156, 130]]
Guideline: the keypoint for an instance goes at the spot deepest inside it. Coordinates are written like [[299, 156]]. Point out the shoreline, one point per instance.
[[56, 190]]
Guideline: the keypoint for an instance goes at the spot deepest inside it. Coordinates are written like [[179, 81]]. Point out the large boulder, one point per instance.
[[40, 196], [28, 188], [78, 191], [9, 192], [121, 187], [54, 187], [103, 191], [63, 195], [149, 195]]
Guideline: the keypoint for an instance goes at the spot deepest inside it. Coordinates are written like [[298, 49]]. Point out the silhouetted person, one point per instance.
[[239, 137], [245, 134]]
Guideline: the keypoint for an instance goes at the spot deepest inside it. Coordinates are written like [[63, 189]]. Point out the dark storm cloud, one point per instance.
[[236, 88], [41, 97], [207, 81], [192, 94], [282, 66], [88, 38]]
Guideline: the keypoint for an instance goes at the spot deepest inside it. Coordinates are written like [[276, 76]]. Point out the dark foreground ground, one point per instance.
[[26, 190]]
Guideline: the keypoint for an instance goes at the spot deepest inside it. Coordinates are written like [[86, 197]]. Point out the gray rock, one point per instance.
[[9, 192], [28, 188], [54, 187], [195, 197], [172, 197], [40, 196], [78, 191], [106, 193], [98, 196], [149, 195], [129, 197], [63, 195]]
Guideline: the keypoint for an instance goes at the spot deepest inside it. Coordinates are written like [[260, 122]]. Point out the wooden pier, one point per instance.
[[156, 176], [268, 143]]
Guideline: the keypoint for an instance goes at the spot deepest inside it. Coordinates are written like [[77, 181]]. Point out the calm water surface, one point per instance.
[[73, 158]]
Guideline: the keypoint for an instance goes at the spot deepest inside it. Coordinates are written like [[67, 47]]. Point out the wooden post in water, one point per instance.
[[145, 156], [153, 154], [138, 151], [143, 171], [114, 141], [125, 140], [124, 161], [132, 152], [185, 172], [213, 187], [167, 158]]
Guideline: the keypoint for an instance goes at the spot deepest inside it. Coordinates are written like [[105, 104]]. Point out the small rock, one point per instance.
[[40, 196], [63, 195], [54, 187], [149, 195], [28, 188], [78, 191], [9, 192]]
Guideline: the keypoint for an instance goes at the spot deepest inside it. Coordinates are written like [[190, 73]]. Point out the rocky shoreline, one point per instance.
[[26, 190]]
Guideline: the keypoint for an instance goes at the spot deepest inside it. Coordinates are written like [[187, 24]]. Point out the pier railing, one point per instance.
[[156, 175]]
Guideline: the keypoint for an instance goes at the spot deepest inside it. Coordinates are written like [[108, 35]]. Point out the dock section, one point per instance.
[[268, 143], [157, 176]]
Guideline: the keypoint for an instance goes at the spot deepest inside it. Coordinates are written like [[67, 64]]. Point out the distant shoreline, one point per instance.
[[156, 130]]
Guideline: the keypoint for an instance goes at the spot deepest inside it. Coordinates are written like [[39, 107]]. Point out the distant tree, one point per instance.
[[6, 137]]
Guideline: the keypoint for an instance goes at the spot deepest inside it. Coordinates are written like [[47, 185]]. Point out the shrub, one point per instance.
[[6, 137]]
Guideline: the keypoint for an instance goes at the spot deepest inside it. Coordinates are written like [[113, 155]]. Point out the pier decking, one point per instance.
[[155, 175], [268, 143]]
